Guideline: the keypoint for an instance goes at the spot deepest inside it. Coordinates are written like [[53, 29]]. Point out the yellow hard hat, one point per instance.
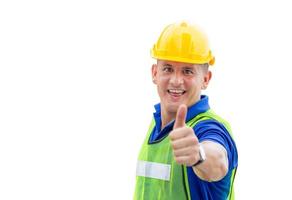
[[183, 42]]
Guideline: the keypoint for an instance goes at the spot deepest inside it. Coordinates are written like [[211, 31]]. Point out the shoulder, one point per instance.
[[209, 126]]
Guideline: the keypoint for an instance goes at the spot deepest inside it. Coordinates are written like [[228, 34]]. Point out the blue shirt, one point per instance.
[[210, 130]]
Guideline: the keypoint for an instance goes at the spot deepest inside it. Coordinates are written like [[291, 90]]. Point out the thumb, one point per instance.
[[180, 116]]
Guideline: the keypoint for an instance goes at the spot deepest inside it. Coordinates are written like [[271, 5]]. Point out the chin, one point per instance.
[[172, 108]]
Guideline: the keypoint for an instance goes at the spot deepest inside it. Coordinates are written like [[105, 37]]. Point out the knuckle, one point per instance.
[[194, 140], [189, 129], [175, 153], [171, 135], [174, 146]]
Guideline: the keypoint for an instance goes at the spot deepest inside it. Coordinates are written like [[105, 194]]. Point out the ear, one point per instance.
[[154, 73], [206, 79]]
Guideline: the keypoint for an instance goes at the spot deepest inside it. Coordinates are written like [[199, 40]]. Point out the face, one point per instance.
[[179, 83]]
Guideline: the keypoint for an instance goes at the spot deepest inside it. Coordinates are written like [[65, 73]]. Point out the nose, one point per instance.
[[176, 79]]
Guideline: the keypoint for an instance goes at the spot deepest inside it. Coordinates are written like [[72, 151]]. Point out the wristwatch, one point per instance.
[[202, 156]]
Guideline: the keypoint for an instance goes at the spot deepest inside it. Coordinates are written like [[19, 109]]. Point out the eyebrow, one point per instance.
[[169, 65], [183, 67]]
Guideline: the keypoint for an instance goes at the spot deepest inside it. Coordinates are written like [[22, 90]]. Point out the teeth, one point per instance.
[[177, 91]]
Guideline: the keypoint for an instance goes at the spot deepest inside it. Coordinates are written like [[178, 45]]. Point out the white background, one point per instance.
[[76, 95]]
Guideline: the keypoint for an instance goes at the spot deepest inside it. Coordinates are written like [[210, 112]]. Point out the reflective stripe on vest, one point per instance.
[[153, 170]]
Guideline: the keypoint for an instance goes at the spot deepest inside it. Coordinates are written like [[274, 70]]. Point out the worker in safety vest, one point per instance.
[[189, 151]]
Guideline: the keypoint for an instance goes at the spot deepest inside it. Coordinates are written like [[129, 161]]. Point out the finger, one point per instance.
[[184, 143], [188, 151], [185, 160], [180, 116], [181, 133]]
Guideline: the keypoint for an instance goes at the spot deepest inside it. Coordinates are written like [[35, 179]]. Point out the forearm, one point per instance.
[[215, 167]]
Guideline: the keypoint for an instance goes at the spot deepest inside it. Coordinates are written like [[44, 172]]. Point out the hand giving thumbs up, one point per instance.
[[185, 144]]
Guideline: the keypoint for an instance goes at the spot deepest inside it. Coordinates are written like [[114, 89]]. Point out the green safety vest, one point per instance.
[[159, 177]]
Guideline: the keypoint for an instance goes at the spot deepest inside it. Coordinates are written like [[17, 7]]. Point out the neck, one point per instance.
[[166, 118]]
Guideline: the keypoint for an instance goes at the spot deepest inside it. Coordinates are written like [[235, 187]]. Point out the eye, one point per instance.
[[188, 71], [167, 69]]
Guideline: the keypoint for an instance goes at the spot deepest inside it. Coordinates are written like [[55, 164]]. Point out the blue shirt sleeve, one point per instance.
[[213, 130]]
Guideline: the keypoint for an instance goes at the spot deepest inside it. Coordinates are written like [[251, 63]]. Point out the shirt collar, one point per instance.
[[199, 107]]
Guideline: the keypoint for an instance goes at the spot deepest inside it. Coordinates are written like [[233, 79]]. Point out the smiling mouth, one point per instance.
[[176, 92]]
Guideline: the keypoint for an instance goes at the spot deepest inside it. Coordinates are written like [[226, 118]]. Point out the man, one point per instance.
[[188, 152]]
